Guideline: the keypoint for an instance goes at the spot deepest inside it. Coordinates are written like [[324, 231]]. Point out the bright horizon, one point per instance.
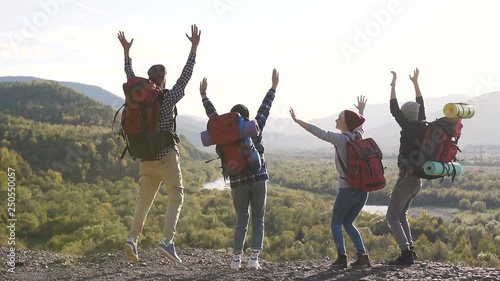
[[327, 52]]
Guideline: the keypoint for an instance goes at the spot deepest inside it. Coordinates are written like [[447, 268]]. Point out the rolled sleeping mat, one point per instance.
[[458, 110], [433, 168], [249, 129], [206, 139]]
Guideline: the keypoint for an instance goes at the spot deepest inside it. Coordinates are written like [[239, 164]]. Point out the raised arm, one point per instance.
[[361, 104], [418, 95], [207, 104], [395, 111], [361, 109], [265, 107], [178, 89], [126, 52], [328, 136]]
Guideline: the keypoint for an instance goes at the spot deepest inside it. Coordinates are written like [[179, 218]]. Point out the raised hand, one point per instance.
[[361, 104], [275, 79], [414, 79], [125, 44], [195, 36], [292, 113], [203, 87], [394, 77]]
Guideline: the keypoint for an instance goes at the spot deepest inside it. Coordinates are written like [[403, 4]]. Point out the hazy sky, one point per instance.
[[327, 52]]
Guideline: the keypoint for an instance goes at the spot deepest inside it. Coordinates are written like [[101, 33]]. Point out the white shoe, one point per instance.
[[236, 262], [131, 250], [254, 263]]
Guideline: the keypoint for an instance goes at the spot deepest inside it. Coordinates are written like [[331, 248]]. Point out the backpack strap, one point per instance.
[[124, 151], [114, 118], [175, 118], [342, 165]]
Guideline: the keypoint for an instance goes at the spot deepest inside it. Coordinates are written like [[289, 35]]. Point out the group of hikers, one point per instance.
[[249, 191]]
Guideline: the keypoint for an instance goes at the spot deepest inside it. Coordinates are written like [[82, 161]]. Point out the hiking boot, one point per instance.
[[405, 258], [236, 262], [253, 263], [415, 256], [341, 261], [362, 260], [131, 250], [168, 250]]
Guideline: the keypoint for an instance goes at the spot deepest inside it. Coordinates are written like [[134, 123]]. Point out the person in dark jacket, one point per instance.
[[411, 119]]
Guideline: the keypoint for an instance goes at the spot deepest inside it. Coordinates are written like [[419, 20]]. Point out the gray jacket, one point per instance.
[[339, 140]]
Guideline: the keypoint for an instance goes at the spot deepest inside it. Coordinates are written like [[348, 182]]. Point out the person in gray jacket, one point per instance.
[[349, 201]]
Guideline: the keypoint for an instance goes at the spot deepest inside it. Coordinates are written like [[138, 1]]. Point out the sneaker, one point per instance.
[[254, 263], [131, 250], [236, 262], [405, 258], [415, 256], [362, 260], [341, 261], [168, 250]]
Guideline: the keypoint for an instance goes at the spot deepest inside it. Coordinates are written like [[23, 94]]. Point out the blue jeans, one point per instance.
[[346, 208], [254, 196]]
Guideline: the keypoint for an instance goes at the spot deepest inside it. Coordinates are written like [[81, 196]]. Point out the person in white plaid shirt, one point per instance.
[[248, 190], [165, 167]]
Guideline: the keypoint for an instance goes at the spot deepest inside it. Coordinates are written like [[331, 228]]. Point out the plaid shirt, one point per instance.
[[261, 118], [170, 98]]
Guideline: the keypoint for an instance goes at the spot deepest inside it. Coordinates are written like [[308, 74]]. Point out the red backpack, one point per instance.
[[441, 139], [440, 143], [364, 169], [232, 135], [140, 124]]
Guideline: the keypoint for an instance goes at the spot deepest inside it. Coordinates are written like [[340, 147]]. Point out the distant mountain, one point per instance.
[[284, 134], [191, 127], [94, 92]]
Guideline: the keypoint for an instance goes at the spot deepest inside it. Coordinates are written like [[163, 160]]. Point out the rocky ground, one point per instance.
[[199, 264]]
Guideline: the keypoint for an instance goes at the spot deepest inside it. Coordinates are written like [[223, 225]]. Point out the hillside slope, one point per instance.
[[49, 101], [200, 264], [94, 92], [54, 127]]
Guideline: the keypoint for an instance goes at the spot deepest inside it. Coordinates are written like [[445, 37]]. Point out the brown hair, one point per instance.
[[157, 74]]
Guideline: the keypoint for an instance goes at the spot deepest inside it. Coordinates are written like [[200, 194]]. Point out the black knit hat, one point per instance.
[[242, 110]]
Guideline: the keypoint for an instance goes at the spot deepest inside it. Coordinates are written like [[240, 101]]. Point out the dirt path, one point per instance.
[[213, 265]]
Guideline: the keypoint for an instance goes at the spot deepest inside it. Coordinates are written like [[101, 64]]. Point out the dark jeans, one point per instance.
[[254, 196]]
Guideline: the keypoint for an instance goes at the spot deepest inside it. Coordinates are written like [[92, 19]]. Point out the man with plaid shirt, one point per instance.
[[248, 190], [165, 167]]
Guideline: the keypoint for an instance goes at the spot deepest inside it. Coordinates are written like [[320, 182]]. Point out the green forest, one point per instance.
[[74, 194]]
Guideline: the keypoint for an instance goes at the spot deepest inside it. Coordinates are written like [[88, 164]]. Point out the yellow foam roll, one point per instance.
[[458, 110]]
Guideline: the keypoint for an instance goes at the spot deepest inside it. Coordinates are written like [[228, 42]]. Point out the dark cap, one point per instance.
[[242, 110]]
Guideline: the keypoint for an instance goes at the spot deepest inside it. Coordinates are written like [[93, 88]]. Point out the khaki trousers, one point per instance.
[[152, 174]]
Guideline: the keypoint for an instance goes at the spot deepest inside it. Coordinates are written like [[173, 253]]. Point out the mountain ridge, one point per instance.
[[284, 135]]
